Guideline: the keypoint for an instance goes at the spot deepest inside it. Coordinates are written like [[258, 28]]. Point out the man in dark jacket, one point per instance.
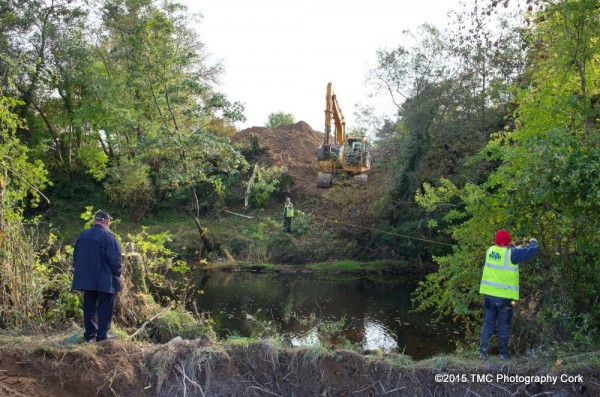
[[98, 267]]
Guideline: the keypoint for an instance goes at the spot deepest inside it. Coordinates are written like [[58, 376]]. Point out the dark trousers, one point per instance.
[[287, 224], [98, 308], [496, 311]]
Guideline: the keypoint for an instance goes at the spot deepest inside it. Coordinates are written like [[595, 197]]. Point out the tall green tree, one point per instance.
[[412, 78], [166, 141], [21, 179], [487, 44], [44, 53], [279, 118], [450, 93], [105, 87]]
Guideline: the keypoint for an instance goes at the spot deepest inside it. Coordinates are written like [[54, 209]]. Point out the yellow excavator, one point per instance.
[[340, 152]]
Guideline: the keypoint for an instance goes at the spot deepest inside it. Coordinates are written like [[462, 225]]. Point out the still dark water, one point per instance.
[[374, 314]]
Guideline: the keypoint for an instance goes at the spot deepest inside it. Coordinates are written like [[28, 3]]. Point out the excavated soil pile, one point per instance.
[[292, 146], [199, 368]]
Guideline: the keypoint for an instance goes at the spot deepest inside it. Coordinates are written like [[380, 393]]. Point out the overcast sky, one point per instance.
[[279, 55]]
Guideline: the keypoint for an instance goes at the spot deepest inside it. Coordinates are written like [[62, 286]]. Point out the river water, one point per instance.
[[309, 309]]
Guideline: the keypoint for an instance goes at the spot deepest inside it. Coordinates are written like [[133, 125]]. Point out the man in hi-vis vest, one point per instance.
[[288, 214], [500, 287]]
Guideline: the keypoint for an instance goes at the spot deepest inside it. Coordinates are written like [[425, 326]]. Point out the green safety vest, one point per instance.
[[500, 276], [289, 210]]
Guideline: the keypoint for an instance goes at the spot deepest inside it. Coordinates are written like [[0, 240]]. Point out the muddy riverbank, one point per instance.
[[262, 368]]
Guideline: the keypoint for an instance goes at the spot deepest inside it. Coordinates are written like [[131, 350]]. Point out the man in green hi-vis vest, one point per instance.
[[500, 287], [288, 214]]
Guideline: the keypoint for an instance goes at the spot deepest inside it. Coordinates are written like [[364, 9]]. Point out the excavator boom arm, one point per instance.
[[334, 112], [339, 152]]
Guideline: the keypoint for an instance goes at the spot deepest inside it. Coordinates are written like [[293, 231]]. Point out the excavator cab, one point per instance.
[[357, 155]]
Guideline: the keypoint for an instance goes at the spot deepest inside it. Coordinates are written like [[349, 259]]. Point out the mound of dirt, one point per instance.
[[292, 146]]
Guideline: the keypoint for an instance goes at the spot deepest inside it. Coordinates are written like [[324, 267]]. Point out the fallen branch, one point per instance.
[[146, 323], [235, 213], [506, 390]]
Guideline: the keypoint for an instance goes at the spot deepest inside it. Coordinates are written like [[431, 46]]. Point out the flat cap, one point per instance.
[[102, 216]]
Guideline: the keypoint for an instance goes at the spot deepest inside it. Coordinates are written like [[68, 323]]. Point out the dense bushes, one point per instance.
[[546, 186]]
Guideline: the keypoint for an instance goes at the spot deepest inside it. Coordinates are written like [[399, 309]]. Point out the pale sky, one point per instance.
[[279, 55]]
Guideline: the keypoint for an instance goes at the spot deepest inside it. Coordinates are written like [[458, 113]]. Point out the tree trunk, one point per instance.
[[249, 188], [195, 215]]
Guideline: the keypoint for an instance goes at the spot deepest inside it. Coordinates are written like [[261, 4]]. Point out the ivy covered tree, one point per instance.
[[449, 95], [451, 89]]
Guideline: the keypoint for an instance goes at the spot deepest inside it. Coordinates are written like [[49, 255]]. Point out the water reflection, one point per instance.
[[310, 338], [377, 336], [373, 314]]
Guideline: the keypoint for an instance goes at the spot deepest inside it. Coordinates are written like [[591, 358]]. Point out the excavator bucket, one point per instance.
[[361, 179], [324, 180]]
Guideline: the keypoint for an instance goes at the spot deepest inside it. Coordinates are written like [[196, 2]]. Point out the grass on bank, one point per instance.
[[559, 362], [245, 266], [342, 267], [257, 239], [349, 266], [68, 224]]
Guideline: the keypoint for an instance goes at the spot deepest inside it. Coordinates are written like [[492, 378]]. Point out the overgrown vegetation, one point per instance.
[[115, 103], [23, 274], [543, 179]]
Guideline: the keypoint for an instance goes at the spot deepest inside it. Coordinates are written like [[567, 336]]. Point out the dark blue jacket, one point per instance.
[[98, 264], [518, 254]]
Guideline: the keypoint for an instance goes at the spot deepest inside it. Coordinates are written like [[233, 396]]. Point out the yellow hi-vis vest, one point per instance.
[[500, 276], [289, 210]]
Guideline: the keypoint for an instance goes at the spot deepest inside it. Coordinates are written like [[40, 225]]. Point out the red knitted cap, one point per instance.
[[502, 238]]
